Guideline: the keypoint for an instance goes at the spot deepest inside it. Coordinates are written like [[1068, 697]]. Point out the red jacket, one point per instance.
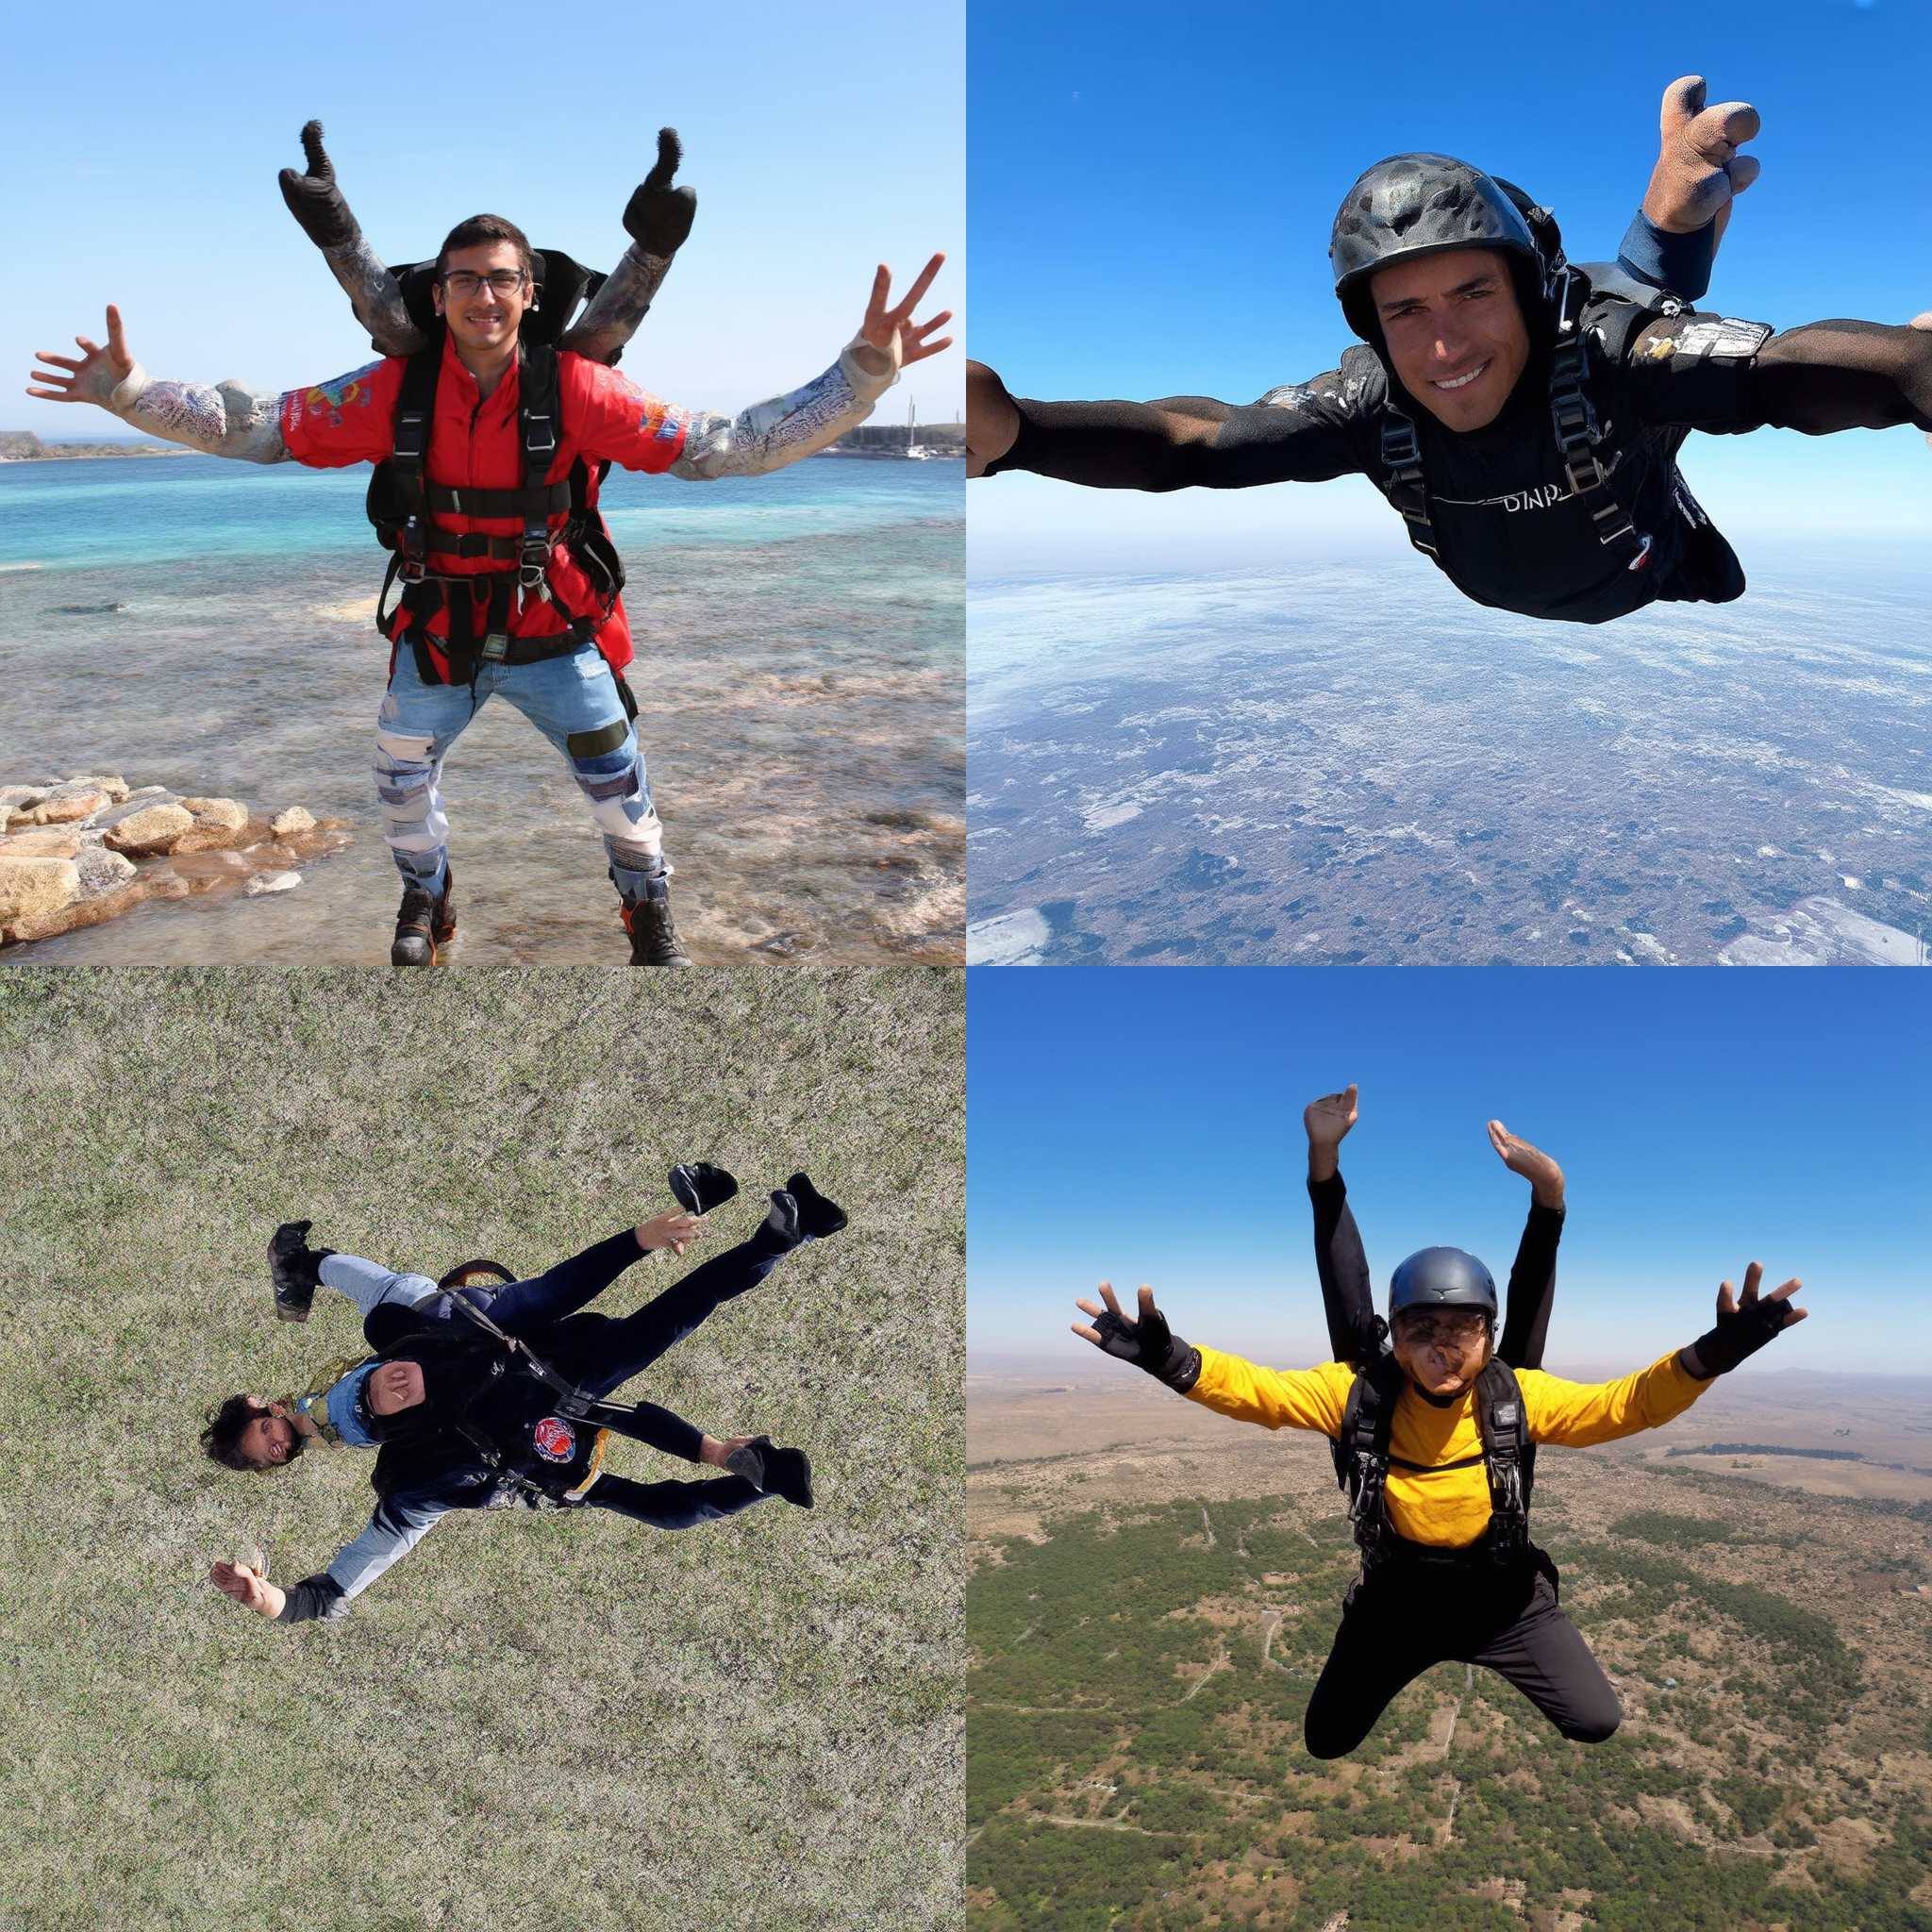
[[474, 444]]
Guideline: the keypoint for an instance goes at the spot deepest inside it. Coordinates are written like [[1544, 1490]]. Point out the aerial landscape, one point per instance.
[[1347, 765], [1152, 1593]]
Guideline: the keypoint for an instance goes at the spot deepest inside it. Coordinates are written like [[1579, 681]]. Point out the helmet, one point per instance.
[[1415, 205], [1441, 1278]]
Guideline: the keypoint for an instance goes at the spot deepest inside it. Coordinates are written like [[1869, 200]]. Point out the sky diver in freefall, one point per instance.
[[1434, 1442], [1523, 413], [479, 1392], [491, 420]]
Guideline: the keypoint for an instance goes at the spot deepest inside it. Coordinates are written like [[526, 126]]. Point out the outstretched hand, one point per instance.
[[1744, 1323], [313, 198], [658, 217], [1698, 167], [892, 329], [674, 1231], [1730, 1305], [91, 380], [1132, 1341], [992, 418], [1328, 1120], [249, 1588], [1544, 1177]]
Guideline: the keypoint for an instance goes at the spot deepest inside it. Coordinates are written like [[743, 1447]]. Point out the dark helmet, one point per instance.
[[1415, 205], [1441, 1278]]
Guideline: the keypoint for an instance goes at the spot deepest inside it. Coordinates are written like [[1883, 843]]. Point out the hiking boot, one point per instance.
[[653, 935], [295, 1269], [698, 1187], [423, 923], [817, 1215]]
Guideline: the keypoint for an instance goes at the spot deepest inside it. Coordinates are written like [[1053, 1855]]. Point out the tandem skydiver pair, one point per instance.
[[1434, 1421], [479, 1391], [1523, 413], [491, 420]]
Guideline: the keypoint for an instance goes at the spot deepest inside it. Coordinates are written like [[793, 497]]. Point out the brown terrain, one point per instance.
[[1700, 1698]]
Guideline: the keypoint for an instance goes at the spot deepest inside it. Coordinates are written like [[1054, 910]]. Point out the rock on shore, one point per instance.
[[77, 851]]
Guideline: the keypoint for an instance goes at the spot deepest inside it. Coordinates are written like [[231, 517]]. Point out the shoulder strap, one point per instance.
[[1574, 417], [1361, 1450], [1506, 1455]]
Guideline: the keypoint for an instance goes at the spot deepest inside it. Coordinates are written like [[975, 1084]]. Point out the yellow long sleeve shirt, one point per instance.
[[1432, 1504]]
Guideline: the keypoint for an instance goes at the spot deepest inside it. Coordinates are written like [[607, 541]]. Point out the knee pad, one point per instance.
[[397, 749], [613, 782]]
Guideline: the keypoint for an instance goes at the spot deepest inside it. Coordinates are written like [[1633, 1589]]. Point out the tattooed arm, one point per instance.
[[223, 421], [317, 203], [658, 219]]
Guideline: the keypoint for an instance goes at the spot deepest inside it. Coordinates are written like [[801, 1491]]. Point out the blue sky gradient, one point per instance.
[[142, 157], [1151, 195], [1145, 1126]]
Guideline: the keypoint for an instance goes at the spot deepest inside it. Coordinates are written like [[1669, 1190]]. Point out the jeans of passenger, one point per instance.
[[573, 700]]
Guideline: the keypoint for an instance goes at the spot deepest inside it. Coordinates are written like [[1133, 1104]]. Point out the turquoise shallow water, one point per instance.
[[203, 625]]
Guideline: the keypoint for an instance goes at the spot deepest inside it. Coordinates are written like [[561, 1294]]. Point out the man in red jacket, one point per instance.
[[508, 585]]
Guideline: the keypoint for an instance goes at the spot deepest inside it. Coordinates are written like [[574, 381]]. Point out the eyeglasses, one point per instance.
[[1464, 1331], [460, 283]]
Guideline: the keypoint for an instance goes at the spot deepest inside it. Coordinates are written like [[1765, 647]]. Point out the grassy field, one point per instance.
[[546, 1722]]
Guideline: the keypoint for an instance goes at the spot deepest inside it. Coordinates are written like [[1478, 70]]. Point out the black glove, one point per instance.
[[314, 199], [658, 217], [1151, 1344], [1741, 1333]]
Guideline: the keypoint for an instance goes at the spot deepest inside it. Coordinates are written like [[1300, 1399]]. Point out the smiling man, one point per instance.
[[1522, 414], [490, 445]]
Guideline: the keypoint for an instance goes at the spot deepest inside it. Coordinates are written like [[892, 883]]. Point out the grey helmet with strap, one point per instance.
[[1410, 206]]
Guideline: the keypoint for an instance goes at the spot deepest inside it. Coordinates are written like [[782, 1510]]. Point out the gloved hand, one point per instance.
[[658, 217], [1699, 169], [314, 199], [1744, 1326], [1148, 1343]]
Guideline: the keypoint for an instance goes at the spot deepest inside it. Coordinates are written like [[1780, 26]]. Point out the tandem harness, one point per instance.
[[1573, 416], [404, 506], [571, 1403], [1363, 1459]]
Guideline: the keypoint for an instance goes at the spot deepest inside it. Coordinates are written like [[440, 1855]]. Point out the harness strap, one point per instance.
[[1401, 456]]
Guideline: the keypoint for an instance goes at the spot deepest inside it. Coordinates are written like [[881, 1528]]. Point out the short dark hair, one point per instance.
[[485, 228], [221, 1438]]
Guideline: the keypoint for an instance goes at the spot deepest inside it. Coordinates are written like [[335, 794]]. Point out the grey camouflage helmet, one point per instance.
[[1415, 205]]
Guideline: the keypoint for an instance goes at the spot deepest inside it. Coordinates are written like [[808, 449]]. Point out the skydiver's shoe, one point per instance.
[[749, 1462], [787, 1473], [817, 1215], [295, 1269], [423, 923], [779, 1232], [699, 1186], [654, 940]]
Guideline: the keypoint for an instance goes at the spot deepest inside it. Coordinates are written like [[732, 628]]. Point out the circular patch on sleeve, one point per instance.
[[556, 1441]]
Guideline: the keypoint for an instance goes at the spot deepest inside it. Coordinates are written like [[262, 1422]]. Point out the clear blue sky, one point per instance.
[[1150, 190], [142, 150], [1145, 1126]]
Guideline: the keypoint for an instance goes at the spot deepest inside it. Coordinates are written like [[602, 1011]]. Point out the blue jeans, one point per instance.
[[572, 701]]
